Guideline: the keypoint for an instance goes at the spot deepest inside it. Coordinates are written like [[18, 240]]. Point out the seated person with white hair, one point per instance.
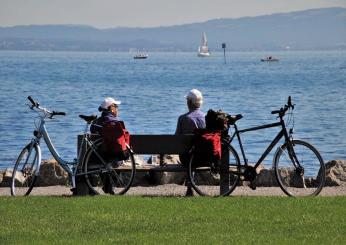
[[110, 111], [194, 118], [190, 121]]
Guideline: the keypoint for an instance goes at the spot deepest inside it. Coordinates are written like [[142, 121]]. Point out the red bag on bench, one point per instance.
[[115, 137]]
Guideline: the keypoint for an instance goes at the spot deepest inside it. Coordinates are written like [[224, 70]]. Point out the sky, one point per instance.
[[144, 13]]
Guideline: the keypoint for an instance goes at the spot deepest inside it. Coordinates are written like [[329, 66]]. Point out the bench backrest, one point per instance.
[[161, 144], [158, 144]]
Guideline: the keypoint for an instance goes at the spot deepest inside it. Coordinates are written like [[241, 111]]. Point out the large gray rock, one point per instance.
[[51, 173], [6, 177], [2, 172], [336, 173], [266, 178], [162, 178]]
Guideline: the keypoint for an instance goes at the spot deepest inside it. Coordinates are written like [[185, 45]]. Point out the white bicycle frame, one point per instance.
[[69, 167]]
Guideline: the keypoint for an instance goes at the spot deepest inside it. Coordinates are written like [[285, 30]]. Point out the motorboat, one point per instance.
[[141, 56], [269, 59], [203, 50]]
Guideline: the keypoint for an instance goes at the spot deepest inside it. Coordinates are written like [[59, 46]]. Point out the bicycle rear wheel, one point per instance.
[[23, 175], [214, 180], [305, 175], [108, 175]]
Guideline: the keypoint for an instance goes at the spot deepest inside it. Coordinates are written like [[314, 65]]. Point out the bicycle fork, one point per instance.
[[293, 157], [38, 158]]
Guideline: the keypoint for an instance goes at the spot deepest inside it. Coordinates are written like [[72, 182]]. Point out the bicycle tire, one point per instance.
[[294, 181], [206, 180], [119, 174], [24, 171]]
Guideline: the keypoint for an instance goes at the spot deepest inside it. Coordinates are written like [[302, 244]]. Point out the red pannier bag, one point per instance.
[[207, 147], [114, 140]]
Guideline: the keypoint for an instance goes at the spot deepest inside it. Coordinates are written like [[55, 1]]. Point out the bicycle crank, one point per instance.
[[250, 174]]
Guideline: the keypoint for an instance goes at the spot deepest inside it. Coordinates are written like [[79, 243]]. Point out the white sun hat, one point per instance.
[[195, 96], [108, 101]]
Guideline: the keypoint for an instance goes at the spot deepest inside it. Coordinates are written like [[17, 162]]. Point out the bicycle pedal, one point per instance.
[[252, 186]]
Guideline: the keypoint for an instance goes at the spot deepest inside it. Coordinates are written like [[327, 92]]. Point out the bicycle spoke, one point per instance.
[[304, 179], [23, 176], [211, 181], [103, 174]]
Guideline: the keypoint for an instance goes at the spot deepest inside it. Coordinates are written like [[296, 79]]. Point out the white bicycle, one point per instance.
[[90, 163]]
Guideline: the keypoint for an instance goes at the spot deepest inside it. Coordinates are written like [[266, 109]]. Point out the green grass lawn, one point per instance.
[[198, 220]]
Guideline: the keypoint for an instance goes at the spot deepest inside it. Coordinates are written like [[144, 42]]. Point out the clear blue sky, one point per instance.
[[144, 13]]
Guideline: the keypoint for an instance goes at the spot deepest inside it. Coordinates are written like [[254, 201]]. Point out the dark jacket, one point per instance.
[[106, 117]]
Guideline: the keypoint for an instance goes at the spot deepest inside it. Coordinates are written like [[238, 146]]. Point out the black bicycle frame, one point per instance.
[[283, 132]]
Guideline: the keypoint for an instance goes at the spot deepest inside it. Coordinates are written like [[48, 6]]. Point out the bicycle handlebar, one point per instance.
[[277, 111], [283, 110], [37, 105], [58, 113]]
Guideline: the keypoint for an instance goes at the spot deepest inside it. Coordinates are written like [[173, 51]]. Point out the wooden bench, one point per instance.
[[162, 145]]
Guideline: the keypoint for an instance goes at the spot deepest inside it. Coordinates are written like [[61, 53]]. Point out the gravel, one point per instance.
[[176, 190]]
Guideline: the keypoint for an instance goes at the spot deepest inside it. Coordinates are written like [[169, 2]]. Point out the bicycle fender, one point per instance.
[[39, 159]]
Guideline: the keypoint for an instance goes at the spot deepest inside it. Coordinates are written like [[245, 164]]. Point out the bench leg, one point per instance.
[[82, 188]]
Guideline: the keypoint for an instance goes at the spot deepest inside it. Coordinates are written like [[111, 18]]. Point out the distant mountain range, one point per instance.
[[308, 29]]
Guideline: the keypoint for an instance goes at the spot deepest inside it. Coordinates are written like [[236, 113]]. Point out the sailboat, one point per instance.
[[203, 48]]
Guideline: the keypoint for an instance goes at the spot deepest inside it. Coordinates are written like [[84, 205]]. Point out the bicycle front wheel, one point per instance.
[[299, 171], [23, 175], [215, 180], [107, 175]]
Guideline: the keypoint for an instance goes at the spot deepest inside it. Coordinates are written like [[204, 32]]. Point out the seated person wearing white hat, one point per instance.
[[110, 111], [190, 121]]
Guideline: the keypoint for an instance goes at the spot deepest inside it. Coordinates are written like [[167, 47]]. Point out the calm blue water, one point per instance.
[[152, 92]]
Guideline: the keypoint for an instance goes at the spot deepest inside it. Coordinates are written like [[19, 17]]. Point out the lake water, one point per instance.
[[152, 94]]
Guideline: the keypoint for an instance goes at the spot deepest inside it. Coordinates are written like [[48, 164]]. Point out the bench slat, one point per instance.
[[161, 144]]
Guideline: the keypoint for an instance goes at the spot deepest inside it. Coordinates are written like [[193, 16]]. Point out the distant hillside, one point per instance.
[[309, 29]]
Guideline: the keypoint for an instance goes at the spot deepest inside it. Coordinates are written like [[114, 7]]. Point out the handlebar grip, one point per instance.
[[32, 101], [289, 101], [276, 112], [58, 113]]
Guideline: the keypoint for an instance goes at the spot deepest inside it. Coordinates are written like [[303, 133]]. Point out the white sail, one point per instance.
[[204, 40], [203, 50]]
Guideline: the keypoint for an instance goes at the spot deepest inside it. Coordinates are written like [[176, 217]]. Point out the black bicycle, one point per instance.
[[298, 166]]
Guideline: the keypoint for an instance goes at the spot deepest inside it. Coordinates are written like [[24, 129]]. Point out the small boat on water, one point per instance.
[[269, 59], [203, 50], [141, 56]]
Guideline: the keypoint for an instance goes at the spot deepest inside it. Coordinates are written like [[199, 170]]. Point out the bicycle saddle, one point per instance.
[[233, 119], [88, 119]]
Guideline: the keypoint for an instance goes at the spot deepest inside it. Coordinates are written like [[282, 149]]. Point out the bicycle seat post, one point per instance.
[[86, 128]]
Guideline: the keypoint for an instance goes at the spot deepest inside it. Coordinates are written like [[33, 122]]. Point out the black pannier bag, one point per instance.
[[217, 120], [207, 142]]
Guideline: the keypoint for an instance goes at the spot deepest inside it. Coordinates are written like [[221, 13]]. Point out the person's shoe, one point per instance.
[[252, 185], [108, 190], [189, 192]]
